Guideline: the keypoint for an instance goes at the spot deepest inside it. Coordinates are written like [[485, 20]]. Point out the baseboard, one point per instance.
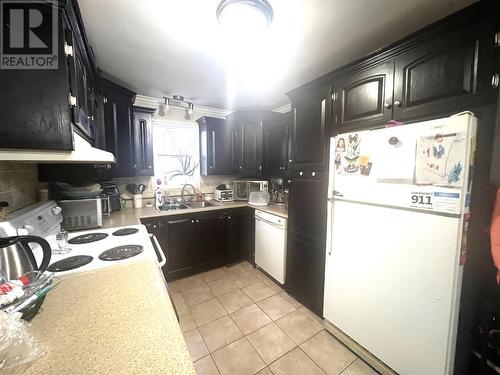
[[359, 350]]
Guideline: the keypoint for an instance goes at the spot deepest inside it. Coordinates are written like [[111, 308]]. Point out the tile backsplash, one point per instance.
[[18, 184]]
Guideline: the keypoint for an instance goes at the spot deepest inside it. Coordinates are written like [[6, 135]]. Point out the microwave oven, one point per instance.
[[81, 213], [243, 188]]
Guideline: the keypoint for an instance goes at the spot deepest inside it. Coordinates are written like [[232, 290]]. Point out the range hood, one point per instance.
[[83, 153]]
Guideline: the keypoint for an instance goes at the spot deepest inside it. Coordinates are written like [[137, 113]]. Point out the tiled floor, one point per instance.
[[237, 321]]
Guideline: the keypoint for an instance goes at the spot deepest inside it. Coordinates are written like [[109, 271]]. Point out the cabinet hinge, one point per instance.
[[335, 95], [495, 80], [260, 167], [105, 100], [497, 38], [336, 119], [72, 100], [68, 50]]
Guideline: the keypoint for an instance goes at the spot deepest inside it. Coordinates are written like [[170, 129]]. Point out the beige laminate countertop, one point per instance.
[[133, 216], [117, 320]]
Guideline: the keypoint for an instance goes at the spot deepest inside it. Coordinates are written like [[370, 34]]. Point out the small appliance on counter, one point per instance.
[[259, 198], [111, 198], [223, 194], [243, 188], [81, 213], [278, 191]]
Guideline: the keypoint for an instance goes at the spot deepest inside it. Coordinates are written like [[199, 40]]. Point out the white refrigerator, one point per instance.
[[396, 240]]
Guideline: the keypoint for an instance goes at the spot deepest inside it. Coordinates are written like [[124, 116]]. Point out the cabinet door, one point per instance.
[[310, 132], [305, 274], [275, 140], [142, 143], [216, 147], [307, 204], [180, 247], [306, 239], [236, 239], [210, 239], [249, 138], [364, 99], [446, 75]]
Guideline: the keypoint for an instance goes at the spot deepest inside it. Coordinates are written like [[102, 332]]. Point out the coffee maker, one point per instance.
[[278, 191]]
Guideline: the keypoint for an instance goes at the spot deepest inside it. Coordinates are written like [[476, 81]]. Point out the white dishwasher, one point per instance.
[[270, 244]]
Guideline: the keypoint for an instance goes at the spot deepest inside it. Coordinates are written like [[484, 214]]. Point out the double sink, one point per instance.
[[183, 206]]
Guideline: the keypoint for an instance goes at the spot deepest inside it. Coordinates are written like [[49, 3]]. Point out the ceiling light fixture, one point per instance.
[[178, 101], [245, 16]]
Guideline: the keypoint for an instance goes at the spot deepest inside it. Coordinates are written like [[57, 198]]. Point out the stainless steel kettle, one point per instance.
[[17, 258]]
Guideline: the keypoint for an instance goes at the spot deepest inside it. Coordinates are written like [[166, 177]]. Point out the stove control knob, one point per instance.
[[56, 210]]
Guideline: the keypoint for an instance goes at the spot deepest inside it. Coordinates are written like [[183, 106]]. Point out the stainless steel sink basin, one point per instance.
[[199, 204], [173, 206]]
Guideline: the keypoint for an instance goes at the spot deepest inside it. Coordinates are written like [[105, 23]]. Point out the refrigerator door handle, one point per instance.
[[336, 193]]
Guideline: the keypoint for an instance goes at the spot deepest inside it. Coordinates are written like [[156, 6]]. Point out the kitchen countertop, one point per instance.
[[132, 216], [117, 320]]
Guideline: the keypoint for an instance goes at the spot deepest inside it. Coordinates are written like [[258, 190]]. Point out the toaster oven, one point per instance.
[[243, 188], [223, 195], [81, 213]]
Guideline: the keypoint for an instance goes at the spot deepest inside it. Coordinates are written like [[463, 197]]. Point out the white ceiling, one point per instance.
[[166, 47]]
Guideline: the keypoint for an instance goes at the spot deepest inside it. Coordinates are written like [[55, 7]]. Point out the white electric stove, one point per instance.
[[91, 250]]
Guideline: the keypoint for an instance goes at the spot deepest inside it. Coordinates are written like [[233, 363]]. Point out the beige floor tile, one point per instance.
[[179, 302], [273, 285], [250, 318], [207, 312], [245, 279], [265, 371], [290, 299], [219, 333], [190, 283], [240, 268], [271, 342], [328, 353], [261, 275], [173, 287], [275, 306], [197, 295], [238, 358], [359, 367], [206, 366], [196, 346], [257, 292], [213, 275], [312, 315], [186, 321], [298, 326], [235, 301], [222, 286], [295, 363]]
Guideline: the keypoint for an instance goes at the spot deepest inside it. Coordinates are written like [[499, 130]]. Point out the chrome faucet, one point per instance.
[[184, 190]]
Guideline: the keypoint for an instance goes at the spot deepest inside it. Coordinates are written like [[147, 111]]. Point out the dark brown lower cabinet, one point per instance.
[[305, 271], [209, 240], [197, 242], [305, 267], [236, 239]]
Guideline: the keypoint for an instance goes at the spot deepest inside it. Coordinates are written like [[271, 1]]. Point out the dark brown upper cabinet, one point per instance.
[[247, 142], [364, 98], [276, 139], [216, 146], [118, 123], [38, 105], [445, 75], [142, 142], [311, 110]]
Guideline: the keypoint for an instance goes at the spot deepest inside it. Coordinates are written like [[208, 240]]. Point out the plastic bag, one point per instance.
[[17, 344]]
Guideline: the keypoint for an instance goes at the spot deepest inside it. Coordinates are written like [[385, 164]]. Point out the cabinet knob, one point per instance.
[[192, 221], [313, 174], [241, 167], [397, 103], [150, 166], [197, 221], [387, 105], [134, 165], [301, 173], [229, 217]]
